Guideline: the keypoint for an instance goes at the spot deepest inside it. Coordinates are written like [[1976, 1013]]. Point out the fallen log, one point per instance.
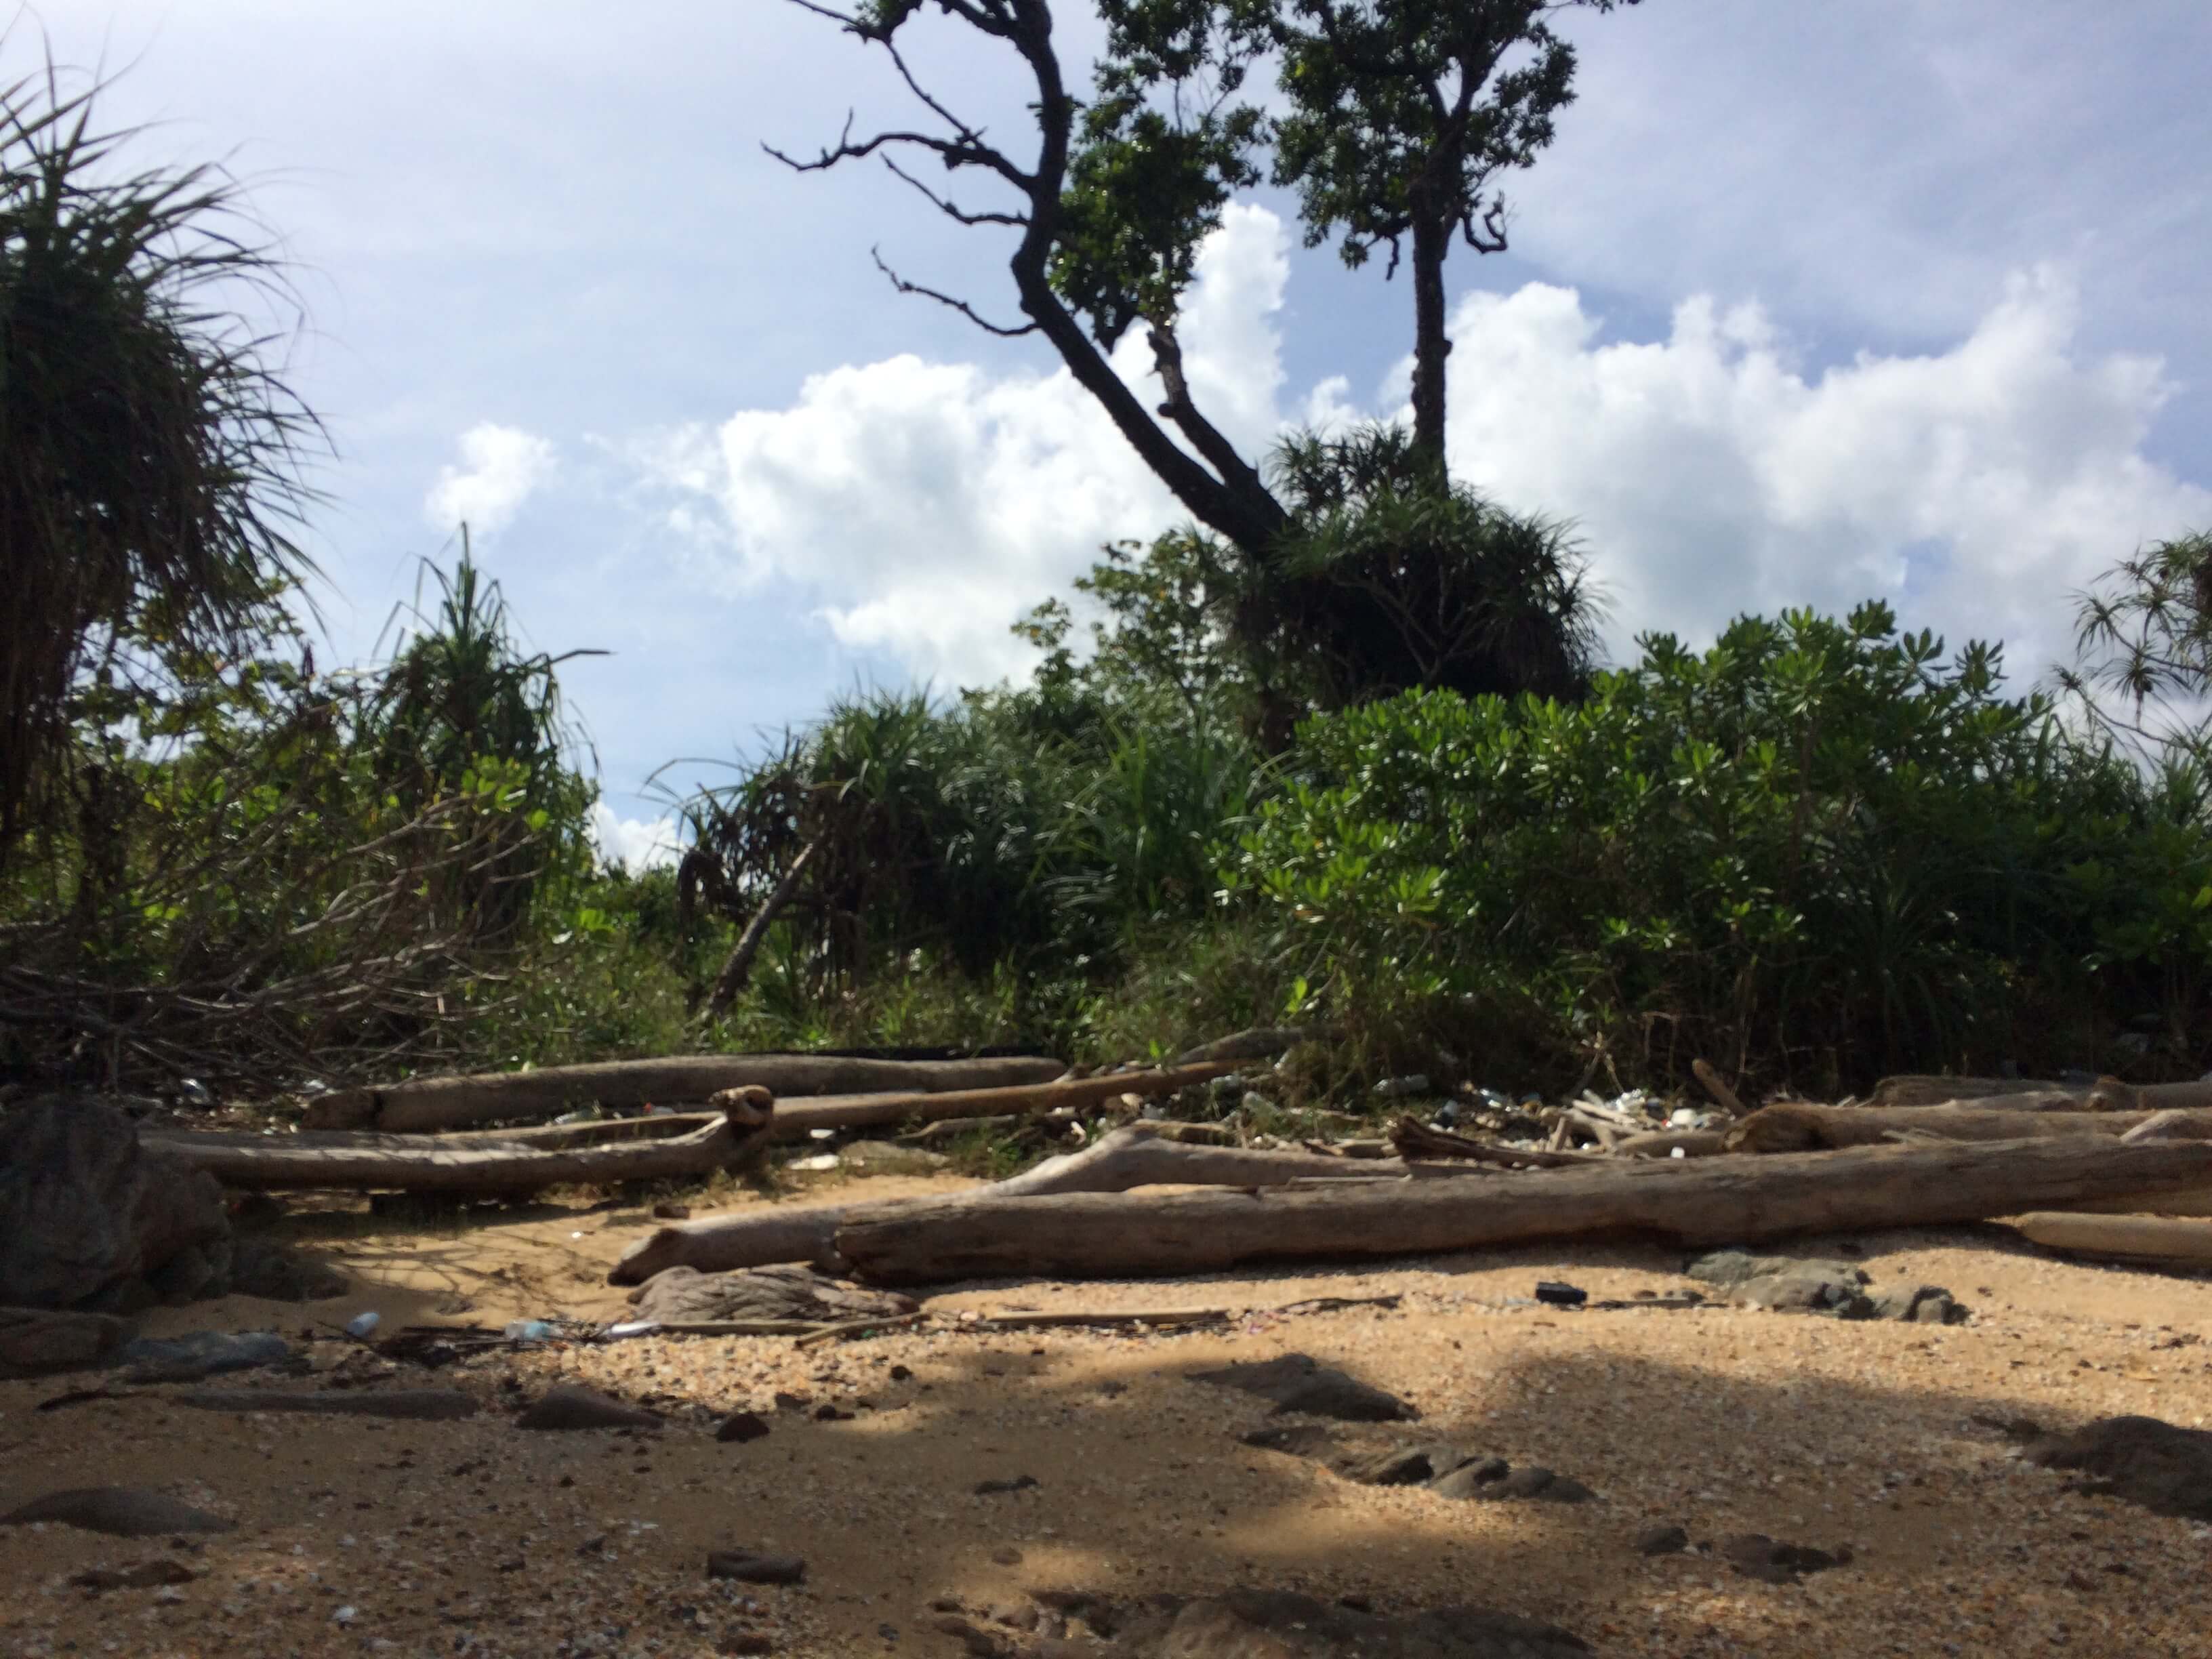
[[2128, 1237], [1692, 1201], [2106, 1094], [1799, 1126], [796, 1120], [1129, 1157], [429, 1164], [447, 1103], [1664, 1143]]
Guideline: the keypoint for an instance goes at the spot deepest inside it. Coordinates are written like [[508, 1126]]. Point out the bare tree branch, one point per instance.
[[1003, 331]]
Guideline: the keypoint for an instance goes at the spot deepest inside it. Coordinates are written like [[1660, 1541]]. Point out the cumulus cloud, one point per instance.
[[924, 506], [502, 466], [635, 844]]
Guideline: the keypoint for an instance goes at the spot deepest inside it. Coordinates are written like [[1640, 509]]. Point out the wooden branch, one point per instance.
[[1716, 1086], [796, 1120], [1129, 1157], [1693, 1201], [857, 1328], [1414, 1139], [2127, 1237], [447, 1103], [1799, 1126], [269, 1162], [1166, 1318], [739, 967]]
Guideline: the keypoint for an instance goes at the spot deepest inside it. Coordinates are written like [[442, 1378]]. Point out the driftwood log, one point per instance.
[[796, 1120], [449, 1103], [1799, 1126], [1693, 1201], [2128, 1237], [701, 1144], [1414, 1139], [2106, 1094], [1129, 1157]]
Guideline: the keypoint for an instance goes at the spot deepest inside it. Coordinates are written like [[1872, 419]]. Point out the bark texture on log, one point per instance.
[[2106, 1094], [430, 1165], [447, 1103], [2136, 1237], [795, 1120], [1693, 1201], [1795, 1126], [1129, 1157]]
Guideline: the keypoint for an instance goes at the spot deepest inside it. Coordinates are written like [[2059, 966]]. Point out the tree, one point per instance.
[[1398, 116], [149, 480]]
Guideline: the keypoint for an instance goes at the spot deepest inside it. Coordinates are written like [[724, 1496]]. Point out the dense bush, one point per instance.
[[1815, 853]]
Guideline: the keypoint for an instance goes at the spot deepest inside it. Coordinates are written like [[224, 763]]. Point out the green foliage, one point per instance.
[[2142, 673], [148, 447], [1813, 851]]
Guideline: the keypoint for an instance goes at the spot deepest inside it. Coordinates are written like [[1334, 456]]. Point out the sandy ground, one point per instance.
[[465, 1538]]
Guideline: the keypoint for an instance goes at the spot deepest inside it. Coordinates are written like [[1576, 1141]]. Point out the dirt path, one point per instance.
[[472, 1538]]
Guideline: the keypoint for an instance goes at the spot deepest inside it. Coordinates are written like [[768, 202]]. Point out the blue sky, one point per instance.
[[1808, 304]]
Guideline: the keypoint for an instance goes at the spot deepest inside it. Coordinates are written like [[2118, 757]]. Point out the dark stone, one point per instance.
[[145, 1574], [1475, 1478], [1393, 1466], [2165, 1468], [122, 1511], [1298, 1383], [1019, 1483], [748, 1568], [401, 1405], [35, 1341], [568, 1406], [1661, 1540], [88, 1218], [1922, 1304], [1755, 1555], [740, 1426], [200, 1354], [666, 1211], [684, 1295]]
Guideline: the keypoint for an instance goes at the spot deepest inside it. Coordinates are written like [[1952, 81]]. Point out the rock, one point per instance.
[[740, 1426], [1923, 1305], [1476, 1477], [1019, 1483], [1259, 1624], [1755, 1555], [200, 1354], [671, 1212], [1007, 1556], [122, 1511], [145, 1574], [1661, 1540], [1398, 1466], [744, 1642], [747, 1567], [34, 1341], [89, 1218], [684, 1295], [568, 1406], [2165, 1470], [263, 1267], [1298, 1383], [401, 1405]]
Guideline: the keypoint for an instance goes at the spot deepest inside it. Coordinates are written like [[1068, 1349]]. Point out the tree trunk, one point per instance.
[[1132, 1157], [1693, 1201], [1795, 1126], [430, 1165], [447, 1103], [1431, 240], [739, 967]]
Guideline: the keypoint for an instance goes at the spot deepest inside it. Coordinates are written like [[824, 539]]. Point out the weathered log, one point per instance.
[[1129, 1157], [1663, 1142], [430, 1165], [2129, 1237], [796, 1120], [447, 1103], [1693, 1201], [2106, 1094], [1798, 1126]]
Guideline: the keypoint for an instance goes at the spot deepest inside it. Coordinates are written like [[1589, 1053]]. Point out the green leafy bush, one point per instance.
[[1816, 851]]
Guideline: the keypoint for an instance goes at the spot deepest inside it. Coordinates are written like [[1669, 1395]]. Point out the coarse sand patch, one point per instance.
[[357, 1535]]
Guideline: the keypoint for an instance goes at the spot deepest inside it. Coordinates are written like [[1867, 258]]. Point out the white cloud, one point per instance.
[[502, 466], [924, 506], [635, 844], [1977, 488]]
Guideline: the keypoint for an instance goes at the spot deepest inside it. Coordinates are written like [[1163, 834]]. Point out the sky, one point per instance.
[[1806, 305]]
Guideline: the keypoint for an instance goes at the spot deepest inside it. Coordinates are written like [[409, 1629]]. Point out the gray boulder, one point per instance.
[[89, 1218]]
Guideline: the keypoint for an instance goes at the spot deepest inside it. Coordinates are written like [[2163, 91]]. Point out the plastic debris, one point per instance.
[[820, 1163], [362, 1323], [530, 1330], [630, 1328], [1396, 1088]]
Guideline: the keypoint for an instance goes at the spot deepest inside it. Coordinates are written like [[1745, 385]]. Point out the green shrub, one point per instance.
[[1815, 852]]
